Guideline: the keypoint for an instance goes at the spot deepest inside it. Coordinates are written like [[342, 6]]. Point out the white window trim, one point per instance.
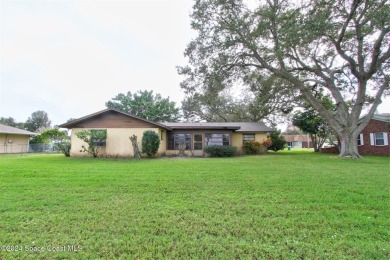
[[361, 140], [373, 139]]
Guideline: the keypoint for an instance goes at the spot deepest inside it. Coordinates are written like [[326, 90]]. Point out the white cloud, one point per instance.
[[69, 58]]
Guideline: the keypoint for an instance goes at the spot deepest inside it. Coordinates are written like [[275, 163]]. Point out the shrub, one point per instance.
[[220, 151], [95, 140], [267, 142], [150, 143], [64, 147], [278, 142], [251, 147]]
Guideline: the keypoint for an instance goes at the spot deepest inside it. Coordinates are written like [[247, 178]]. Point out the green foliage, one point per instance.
[[64, 147], [95, 140], [60, 140], [146, 105], [220, 150], [278, 142], [150, 143], [39, 139], [55, 134], [263, 98], [38, 121], [251, 147], [10, 121], [50, 135], [339, 47], [310, 122]]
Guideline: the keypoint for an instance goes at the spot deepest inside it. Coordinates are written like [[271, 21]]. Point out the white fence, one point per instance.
[[28, 148]]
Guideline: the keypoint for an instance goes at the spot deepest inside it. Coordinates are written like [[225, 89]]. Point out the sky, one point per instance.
[[69, 57]]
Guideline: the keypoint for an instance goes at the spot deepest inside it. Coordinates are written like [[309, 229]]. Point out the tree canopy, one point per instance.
[[10, 121], [310, 122], [146, 105], [38, 121], [340, 47], [261, 100]]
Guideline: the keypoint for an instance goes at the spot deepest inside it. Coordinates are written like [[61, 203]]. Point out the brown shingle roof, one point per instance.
[[76, 121], [5, 129], [238, 126]]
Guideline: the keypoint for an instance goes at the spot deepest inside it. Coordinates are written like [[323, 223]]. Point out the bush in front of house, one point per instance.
[[251, 147], [95, 138], [64, 147], [150, 143], [220, 150], [277, 141]]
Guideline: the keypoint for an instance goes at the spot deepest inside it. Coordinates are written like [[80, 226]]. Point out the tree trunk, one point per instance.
[[136, 151], [314, 141], [348, 145]]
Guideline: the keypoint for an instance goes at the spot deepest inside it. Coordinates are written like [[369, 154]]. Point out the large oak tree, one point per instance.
[[340, 47], [261, 99]]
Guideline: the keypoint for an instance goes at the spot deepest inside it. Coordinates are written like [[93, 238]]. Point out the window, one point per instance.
[[360, 140], [97, 141], [217, 139], [175, 139], [378, 139], [198, 143], [247, 138]]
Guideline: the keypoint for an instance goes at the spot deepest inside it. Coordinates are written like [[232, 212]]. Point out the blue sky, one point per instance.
[[69, 57]]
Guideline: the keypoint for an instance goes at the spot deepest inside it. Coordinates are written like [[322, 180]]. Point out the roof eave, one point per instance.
[[69, 125], [10, 133], [204, 127]]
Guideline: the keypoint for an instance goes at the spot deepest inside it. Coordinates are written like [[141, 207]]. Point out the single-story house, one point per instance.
[[298, 141], [120, 126], [14, 140], [374, 139]]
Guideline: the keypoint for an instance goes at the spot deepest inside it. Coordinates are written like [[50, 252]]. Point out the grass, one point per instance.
[[288, 205]]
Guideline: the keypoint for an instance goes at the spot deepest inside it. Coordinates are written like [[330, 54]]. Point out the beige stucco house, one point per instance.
[[14, 140], [120, 126]]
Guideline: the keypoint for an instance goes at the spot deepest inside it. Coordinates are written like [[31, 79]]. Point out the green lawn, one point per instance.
[[285, 205]]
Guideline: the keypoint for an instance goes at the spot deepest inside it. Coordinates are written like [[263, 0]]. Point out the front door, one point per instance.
[[198, 145]]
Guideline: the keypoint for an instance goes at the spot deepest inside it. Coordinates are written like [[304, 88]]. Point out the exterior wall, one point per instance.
[[118, 143], [203, 132], [375, 126], [11, 143], [238, 140], [113, 119]]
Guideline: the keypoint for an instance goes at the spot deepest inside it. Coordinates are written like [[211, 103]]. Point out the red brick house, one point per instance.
[[374, 139]]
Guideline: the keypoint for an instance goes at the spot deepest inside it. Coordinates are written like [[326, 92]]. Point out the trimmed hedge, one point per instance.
[[251, 147], [150, 143], [220, 151]]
